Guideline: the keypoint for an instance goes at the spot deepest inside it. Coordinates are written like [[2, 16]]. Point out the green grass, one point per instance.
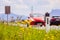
[[20, 33]]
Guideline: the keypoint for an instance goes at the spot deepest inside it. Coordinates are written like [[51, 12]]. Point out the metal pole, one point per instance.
[[7, 19]]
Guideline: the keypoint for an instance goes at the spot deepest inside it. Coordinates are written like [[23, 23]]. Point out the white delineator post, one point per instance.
[[47, 20], [47, 24]]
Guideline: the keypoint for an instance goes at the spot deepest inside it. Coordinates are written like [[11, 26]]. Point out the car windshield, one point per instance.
[[56, 16], [37, 15]]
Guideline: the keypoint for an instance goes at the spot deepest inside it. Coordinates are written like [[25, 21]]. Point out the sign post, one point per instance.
[[7, 11]]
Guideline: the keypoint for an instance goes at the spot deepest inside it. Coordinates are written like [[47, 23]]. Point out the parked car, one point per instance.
[[55, 20], [37, 19]]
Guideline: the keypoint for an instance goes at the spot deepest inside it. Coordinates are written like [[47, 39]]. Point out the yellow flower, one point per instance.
[[39, 31], [46, 35], [55, 31], [30, 26], [28, 33], [23, 23], [18, 23], [44, 38], [25, 20], [22, 29], [27, 29], [52, 37]]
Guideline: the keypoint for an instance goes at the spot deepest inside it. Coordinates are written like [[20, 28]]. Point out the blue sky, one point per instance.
[[23, 7]]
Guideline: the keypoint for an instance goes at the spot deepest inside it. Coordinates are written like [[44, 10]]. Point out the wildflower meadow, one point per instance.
[[8, 32]]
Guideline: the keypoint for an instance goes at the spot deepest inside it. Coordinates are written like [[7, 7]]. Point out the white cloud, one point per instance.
[[33, 1], [6, 2], [53, 4], [11, 2], [57, 4], [20, 1], [21, 9], [2, 9], [21, 6]]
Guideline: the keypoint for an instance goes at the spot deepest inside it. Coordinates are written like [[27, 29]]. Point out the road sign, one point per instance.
[[7, 11]]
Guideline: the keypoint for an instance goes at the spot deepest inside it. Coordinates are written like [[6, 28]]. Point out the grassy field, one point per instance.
[[20, 33]]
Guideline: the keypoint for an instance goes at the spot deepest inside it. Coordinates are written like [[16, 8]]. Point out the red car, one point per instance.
[[37, 19], [55, 20]]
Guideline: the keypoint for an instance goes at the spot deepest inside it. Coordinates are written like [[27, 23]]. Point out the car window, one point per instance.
[[37, 15]]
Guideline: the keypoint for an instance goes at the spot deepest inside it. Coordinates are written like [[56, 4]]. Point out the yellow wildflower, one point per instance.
[[44, 38], [46, 35], [39, 31], [28, 33], [30, 26], [52, 37], [22, 29]]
